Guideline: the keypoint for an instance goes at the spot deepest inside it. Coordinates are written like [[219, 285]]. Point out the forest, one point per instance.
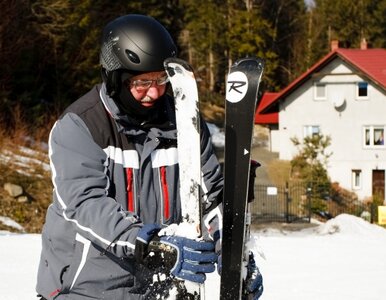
[[49, 49]]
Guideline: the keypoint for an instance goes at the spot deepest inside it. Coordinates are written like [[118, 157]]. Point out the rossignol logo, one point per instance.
[[237, 86]]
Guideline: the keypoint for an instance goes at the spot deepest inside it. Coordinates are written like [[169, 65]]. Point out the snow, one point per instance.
[[19, 258], [343, 259], [11, 223], [217, 135], [25, 160]]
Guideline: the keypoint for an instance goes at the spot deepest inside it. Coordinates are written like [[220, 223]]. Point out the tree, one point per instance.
[[309, 165], [50, 18], [12, 39], [378, 33], [203, 41], [19, 57], [248, 34], [288, 38], [349, 22], [311, 161]]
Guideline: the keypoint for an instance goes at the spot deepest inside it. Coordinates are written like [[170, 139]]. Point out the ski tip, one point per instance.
[[257, 61], [177, 61]]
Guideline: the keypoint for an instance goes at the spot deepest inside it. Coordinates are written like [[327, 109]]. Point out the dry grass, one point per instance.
[[279, 171], [213, 113], [36, 184], [24, 161]]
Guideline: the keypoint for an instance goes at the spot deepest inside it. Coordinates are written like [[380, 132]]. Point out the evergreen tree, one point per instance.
[[309, 166], [377, 11], [311, 161], [248, 33], [289, 39], [203, 41], [348, 22], [17, 55]]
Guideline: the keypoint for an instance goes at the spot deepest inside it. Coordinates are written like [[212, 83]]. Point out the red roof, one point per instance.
[[268, 118], [370, 62]]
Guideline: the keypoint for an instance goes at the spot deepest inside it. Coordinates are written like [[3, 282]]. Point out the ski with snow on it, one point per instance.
[[241, 101], [186, 101]]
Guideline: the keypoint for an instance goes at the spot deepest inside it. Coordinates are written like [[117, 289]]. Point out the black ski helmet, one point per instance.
[[136, 44]]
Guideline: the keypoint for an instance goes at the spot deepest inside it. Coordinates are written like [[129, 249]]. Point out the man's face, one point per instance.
[[147, 88]]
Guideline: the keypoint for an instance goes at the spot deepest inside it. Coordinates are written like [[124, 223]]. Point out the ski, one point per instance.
[[241, 100], [186, 101]]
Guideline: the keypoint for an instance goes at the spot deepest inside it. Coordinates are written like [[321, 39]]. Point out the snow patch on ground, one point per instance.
[[217, 135], [11, 223], [349, 224]]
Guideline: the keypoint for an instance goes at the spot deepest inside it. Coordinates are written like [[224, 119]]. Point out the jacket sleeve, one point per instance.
[[212, 187], [79, 175]]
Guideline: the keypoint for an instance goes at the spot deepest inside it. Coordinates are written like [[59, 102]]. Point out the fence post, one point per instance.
[[372, 212], [287, 200], [308, 193]]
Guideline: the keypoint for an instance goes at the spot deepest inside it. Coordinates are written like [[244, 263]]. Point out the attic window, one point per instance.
[[320, 91], [362, 89]]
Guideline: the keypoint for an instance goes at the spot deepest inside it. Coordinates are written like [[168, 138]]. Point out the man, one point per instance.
[[115, 176]]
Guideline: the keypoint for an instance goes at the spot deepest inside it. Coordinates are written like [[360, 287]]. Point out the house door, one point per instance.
[[379, 183]]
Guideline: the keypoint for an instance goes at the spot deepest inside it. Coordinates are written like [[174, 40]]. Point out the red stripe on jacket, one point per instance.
[[130, 190], [165, 192]]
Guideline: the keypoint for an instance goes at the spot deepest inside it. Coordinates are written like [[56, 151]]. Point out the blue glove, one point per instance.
[[184, 258], [194, 258], [253, 283], [147, 232], [145, 235], [219, 264]]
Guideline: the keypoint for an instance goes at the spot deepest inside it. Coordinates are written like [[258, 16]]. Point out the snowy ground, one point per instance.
[[343, 259]]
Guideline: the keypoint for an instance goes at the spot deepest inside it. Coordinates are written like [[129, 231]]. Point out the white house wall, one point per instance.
[[344, 125]]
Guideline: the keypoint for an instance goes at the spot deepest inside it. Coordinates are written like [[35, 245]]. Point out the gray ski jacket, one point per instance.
[[110, 177]]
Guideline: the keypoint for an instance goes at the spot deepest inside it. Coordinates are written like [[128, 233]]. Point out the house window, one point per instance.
[[311, 130], [362, 89], [373, 136], [320, 91], [378, 136], [356, 179]]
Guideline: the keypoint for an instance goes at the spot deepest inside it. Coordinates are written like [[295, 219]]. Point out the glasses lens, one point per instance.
[[142, 85], [163, 80]]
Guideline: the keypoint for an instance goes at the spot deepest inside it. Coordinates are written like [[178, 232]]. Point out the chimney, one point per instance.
[[363, 44], [334, 45]]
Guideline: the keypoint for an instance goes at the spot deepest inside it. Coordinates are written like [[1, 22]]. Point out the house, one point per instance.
[[342, 96]]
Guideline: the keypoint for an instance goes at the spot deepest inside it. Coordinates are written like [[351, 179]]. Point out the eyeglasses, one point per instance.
[[142, 85]]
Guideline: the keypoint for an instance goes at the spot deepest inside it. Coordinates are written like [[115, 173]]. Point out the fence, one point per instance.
[[297, 202]]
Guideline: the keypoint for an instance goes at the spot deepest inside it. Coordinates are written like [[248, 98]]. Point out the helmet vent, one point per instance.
[[132, 56]]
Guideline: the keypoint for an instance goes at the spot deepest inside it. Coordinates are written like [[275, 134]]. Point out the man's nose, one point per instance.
[[153, 91]]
